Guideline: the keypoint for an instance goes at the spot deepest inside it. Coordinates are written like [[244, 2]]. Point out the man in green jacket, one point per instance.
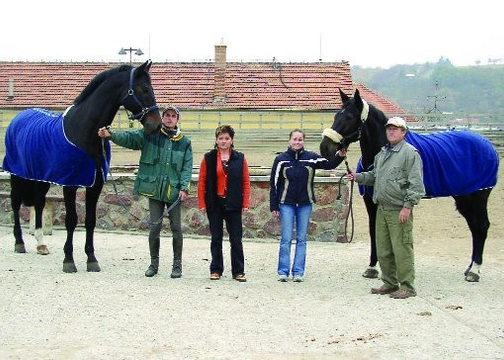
[[164, 177], [397, 178]]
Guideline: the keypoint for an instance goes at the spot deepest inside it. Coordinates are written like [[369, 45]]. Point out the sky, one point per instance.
[[367, 33]]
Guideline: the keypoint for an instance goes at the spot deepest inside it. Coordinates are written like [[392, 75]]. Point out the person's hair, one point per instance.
[[224, 129], [297, 130]]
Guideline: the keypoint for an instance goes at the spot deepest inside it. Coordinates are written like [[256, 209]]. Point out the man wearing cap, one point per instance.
[[398, 186], [164, 177]]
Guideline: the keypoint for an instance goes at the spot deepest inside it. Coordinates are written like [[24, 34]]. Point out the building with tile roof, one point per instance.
[[195, 85]]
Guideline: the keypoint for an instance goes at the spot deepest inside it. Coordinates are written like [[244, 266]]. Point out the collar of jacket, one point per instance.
[[172, 135], [295, 153]]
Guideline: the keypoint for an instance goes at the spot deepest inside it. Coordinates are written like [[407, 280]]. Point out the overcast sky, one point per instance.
[[369, 33]]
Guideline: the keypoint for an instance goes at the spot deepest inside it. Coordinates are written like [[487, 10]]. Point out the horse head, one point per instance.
[[140, 101], [347, 125]]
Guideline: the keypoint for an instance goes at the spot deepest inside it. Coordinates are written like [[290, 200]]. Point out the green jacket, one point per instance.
[[397, 177], [165, 163]]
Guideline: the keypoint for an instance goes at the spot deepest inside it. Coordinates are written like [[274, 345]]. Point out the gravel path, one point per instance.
[[120, 314]]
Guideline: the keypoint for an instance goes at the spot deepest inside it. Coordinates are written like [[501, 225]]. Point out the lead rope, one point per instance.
[[350, 202], [119, 198]]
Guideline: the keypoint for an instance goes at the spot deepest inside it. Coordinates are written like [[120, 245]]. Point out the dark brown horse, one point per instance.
[[461, 164], [64, 149]]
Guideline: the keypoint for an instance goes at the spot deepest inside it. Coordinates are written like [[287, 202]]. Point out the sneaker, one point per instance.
[[215, 276], [402, 294], [240, 278], [283, 278], [384, 290], [298, 278]]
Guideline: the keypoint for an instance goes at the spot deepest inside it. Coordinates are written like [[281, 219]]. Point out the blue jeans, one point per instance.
[[301, 215]]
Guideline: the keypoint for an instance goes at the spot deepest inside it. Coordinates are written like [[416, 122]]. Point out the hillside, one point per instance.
[[469, 92]]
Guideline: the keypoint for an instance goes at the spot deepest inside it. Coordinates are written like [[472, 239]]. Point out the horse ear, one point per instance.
[[357, 97], [344, 97], [145, 66], [148, 64]]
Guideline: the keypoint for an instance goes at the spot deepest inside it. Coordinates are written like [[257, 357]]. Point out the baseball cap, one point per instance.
[[169, 107], [397, 122]]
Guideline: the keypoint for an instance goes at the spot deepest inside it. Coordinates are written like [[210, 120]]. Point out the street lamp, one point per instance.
[[138, 52]]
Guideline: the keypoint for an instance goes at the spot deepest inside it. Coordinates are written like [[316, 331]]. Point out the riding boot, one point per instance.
[[154, 254], [176, 269], [177, 256]]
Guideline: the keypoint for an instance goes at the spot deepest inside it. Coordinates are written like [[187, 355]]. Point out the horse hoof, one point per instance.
[[370, 273], [42, 250], [69, 268], [472, 277], [19, 248], [93, 267]]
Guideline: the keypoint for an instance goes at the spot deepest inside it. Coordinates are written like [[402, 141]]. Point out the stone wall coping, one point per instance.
[[329, 177]]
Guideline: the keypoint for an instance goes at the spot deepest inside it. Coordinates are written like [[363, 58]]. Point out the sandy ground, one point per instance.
[[120, 314]]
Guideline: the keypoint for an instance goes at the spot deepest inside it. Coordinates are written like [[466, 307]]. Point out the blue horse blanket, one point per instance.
[[454, 162], [36, 148]]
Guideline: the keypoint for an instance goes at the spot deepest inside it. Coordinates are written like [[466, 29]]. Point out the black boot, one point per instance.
[[178, 241], [176, 269], [154, 254], [151, 270]]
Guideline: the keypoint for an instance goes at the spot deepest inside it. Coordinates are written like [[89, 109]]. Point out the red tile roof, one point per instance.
[[194, 85]]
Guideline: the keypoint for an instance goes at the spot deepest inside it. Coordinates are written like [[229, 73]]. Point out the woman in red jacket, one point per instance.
[[224, 194]]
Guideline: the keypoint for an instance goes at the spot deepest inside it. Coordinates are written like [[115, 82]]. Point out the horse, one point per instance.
[[44, 148], [461, 164]]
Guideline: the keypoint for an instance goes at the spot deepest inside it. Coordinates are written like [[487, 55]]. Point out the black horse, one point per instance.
[[64, 149], [461, 164]]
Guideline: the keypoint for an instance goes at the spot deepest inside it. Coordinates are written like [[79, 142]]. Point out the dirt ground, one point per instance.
[[120, 314]]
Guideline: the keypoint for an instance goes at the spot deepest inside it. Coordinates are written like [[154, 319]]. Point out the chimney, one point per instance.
[[11, 89], [220, 74]]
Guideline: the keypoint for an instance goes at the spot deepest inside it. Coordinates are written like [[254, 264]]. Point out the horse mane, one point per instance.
[[377, 114], [98, 80]]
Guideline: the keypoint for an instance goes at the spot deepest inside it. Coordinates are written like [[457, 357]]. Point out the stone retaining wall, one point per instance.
[[119, 209]]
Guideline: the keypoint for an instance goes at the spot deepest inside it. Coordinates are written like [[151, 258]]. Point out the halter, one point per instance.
[[338, 138], [131, 92]]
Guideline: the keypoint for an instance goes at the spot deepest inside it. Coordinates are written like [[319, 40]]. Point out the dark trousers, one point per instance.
[[233, 220], [156, 211]]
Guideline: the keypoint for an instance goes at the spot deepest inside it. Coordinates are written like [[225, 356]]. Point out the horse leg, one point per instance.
[[69, 193], [371, 272], [473, 208], [16, 197], [39, 203], [19, 245], [92, 195]]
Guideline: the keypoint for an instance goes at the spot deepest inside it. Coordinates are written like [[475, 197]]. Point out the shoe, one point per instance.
[[215, 276], [298, 278], [240, 278], [370, 273], [283, 278], [402, 294], [176, 269], [384, 290], [151, 271]]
